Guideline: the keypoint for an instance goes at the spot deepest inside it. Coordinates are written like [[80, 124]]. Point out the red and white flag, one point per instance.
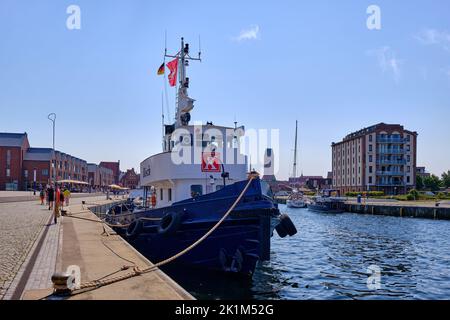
[[173, 67]]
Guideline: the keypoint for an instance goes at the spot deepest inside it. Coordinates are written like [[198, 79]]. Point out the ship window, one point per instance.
[[161, 193], [266, 190], [219, 187], [196, 190], [169, 194]]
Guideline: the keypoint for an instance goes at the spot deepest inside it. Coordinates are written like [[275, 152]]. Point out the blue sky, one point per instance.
[[314, 61]]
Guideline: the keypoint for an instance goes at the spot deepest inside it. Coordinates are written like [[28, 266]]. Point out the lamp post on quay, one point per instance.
[[52, 118]]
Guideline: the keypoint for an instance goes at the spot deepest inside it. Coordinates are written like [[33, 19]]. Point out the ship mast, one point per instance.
[[185, 104], [294, 170]]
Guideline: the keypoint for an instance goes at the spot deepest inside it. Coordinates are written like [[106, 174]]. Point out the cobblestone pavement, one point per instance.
[[20, 226]]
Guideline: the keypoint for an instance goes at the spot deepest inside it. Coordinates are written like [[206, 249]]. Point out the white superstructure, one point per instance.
[[196, 159]]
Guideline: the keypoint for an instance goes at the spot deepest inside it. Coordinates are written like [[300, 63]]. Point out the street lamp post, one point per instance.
[[52, 118]]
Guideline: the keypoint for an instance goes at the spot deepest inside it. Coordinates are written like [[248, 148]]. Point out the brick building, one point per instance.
[[378, 158], [115, 167], [22, 167], [99, 177], [130, 179], [13, 147], [38, 164]]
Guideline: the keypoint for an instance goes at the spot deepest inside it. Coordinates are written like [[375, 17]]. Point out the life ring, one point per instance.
[[169, 223], [153, 200], [288, 225], [134, 229]]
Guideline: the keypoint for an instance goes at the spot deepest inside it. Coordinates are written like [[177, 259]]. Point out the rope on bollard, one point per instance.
[[95, 284]]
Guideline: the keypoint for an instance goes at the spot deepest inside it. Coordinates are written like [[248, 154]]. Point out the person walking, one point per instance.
[[46, 194], [42, 196], [57, 202], [66, 196], [61, 199], [51, 197]]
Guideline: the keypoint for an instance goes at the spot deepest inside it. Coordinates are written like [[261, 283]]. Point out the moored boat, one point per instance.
[[296, 200], [198, 195], [327, 203]]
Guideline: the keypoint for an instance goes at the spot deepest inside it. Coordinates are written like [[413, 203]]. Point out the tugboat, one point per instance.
[[198, 184], [327, 203]]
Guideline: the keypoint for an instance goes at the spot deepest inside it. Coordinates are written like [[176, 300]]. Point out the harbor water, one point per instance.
[[333, 257]]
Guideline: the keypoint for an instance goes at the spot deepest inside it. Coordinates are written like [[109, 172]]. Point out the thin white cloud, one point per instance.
[[434, 37], [251, 33], [387, 61]]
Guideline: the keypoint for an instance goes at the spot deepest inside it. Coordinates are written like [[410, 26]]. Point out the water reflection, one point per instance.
[[329, 259]]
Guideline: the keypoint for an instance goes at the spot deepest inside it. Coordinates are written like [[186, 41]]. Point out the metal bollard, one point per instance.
[[60, 283]]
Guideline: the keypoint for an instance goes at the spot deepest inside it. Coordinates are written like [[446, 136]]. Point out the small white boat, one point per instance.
[[296, 200]]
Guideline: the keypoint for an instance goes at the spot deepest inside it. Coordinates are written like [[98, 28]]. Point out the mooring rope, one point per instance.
[[137, 271]]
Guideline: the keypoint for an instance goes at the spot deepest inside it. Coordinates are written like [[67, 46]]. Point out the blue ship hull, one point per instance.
[[236, 246]]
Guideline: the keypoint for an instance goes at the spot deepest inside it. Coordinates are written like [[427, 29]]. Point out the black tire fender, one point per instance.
[[288, 225], [170, 223], [281, 231], [134, 229]]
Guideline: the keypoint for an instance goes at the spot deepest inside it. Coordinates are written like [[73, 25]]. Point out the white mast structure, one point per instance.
[[294, 170], [185, 104]]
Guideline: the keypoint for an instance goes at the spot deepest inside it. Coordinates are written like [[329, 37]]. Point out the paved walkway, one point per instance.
[[22, 224], [85, 244]]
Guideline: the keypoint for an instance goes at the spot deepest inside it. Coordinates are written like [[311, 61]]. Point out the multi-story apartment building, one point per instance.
[[379, 158], [22, 167], [39, 167], [115, 167], [100, 177], [13, 147]]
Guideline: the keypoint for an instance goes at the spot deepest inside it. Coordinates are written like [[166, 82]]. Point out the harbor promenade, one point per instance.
[[32, 249]]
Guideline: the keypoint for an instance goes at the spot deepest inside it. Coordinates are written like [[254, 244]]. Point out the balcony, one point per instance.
[[391, 140], [390, 173], [391, 161], [390, 151], [390, 184]]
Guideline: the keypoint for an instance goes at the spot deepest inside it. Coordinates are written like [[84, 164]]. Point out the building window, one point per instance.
[[370, 180], [408, 147], [169, 191], [370, 169], [196, 190], [8, 157], [370, 158], [370, 147], [25, 174], [408, 169], [370, 138], [408, 179], [8, 172], [408, 158]]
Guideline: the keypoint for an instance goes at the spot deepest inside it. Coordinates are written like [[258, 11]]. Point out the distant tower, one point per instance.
[[269, 166]]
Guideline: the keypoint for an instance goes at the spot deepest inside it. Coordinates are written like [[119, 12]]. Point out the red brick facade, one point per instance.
[[130, 179], [12, 152]]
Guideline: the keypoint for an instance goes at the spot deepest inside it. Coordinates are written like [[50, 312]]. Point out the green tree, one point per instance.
[[446, 179], [419, 183], [432, 182]]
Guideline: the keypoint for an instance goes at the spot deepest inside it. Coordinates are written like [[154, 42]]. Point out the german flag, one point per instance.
[[161, 69]]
